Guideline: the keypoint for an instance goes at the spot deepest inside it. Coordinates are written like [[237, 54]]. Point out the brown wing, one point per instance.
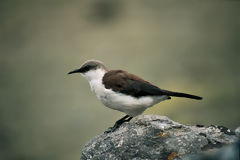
[[127, 83]]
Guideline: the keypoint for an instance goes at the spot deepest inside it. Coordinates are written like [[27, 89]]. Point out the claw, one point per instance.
[[109, 130], [118, 124]]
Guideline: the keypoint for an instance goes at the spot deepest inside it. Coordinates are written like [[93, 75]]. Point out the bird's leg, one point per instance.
[[127, 120], [117, 124]]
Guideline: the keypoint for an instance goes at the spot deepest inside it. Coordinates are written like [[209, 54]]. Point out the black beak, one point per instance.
[[74, 71]]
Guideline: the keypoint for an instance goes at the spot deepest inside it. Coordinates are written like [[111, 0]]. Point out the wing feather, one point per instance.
[[127, 83]]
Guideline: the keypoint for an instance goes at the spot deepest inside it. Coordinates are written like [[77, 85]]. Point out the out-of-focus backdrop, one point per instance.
[[187, 46]]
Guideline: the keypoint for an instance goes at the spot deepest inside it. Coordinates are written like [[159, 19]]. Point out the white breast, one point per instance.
[[118, 101]]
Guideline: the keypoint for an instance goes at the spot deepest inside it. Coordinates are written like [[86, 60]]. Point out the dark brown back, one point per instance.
[[130, 84]]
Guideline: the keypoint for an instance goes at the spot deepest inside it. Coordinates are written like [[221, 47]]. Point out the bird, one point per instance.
[[124, 91]]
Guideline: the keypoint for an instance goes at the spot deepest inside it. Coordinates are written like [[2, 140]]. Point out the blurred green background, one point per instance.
[[187, 46]]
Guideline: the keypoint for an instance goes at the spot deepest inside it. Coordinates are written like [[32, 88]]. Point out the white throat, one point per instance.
[[94, 78], [93, 75]]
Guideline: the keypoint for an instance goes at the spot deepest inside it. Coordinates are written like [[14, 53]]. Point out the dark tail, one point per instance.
[[185, 95]]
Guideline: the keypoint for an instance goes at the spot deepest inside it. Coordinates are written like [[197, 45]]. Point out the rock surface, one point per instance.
[[157, 137], [229, 152]]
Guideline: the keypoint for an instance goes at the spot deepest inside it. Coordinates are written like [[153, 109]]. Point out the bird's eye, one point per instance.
[[86, 68]]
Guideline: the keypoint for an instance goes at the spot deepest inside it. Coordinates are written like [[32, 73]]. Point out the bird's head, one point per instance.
[[91, 70]]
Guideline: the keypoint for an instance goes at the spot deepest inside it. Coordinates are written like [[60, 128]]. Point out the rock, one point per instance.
[[229, 152], [157, 137], [237, 131]]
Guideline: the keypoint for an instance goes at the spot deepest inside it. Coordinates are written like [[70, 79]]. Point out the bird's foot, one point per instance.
[[112, 129], [118, 124], [109, 130]]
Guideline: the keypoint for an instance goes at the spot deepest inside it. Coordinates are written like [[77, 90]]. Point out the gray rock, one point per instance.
[[157, 137], [237, 131], [229, 152]]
